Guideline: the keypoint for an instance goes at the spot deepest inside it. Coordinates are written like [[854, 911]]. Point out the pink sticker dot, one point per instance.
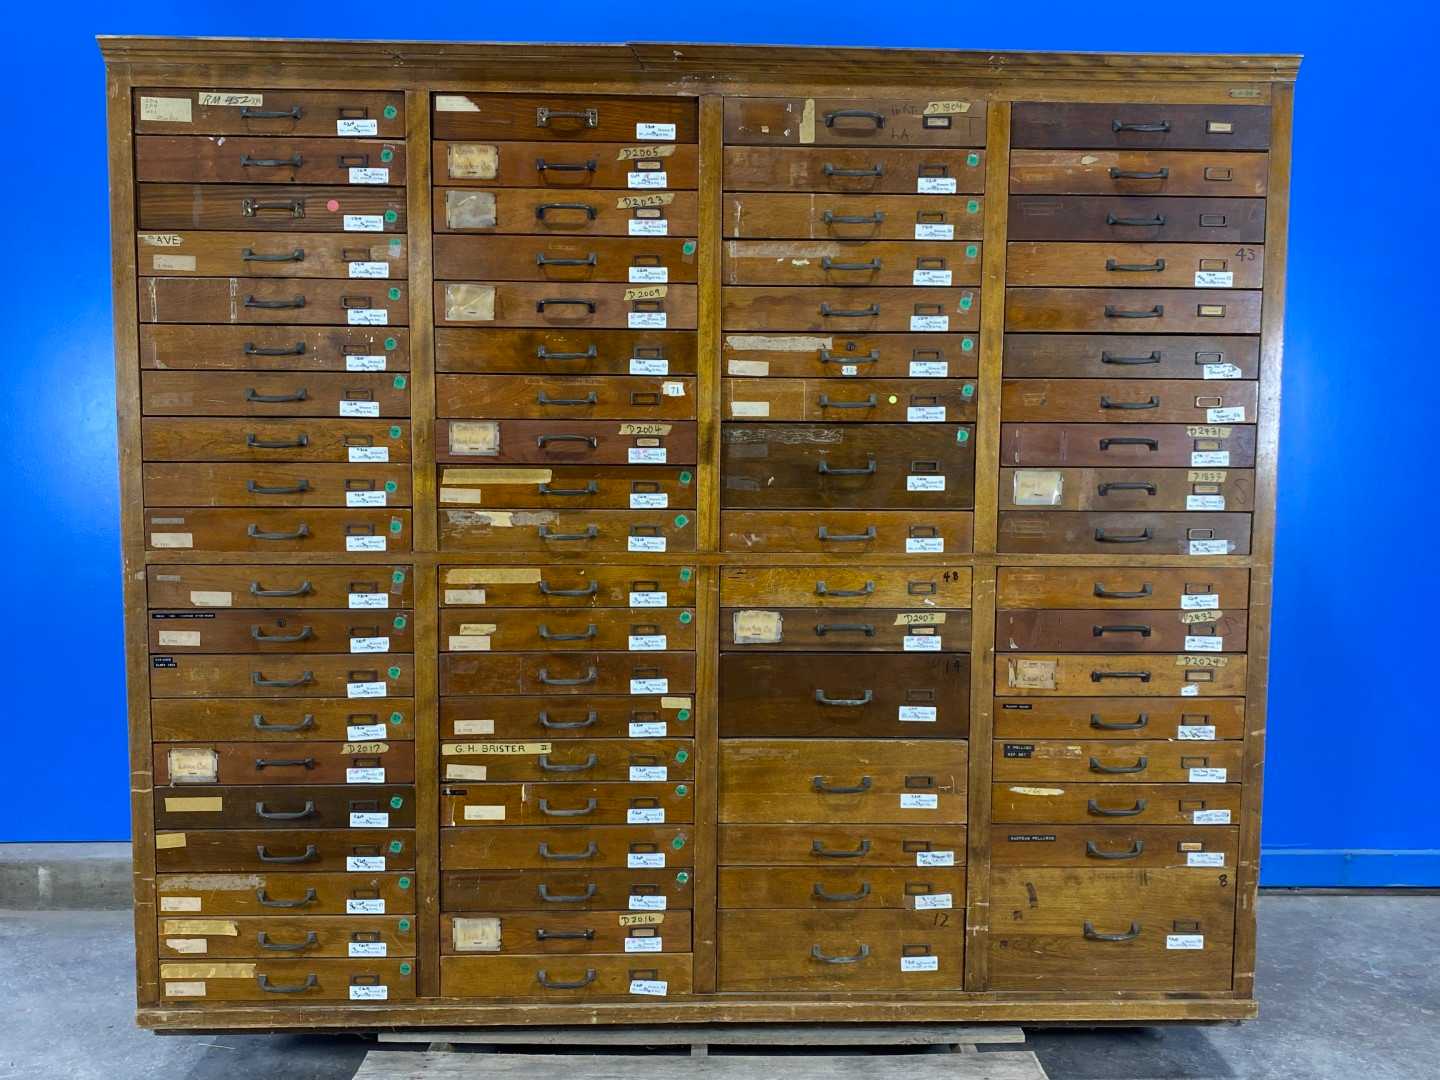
[[333, 205]]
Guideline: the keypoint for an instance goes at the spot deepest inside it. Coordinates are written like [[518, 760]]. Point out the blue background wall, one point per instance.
[[1351, 787]]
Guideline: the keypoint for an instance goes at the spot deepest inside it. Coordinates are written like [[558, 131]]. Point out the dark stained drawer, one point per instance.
[[637, 261], [275, 348], [255, 255], [574, 306], [841, 889], [373, 113], [571, 487], [566, 534], [851, 309], [1122, 718], [1194, 588], [272, 393], [1153, 265], [538, 847], [262, 586], [363, 762], [635, 759], [569, 803], [853, 217], [169, 484], [1069, 675], [1138, 172], [359, 678], [261, 807], [1196, 847], [1111, 533], [320, 850], [860, 262], [846, 533], [544, 212], [544, 164], [1130, 356], [1213, 127], [875, 170], [657, 714], [553, 933], [1108, 761], [849, 356], [288, 981], [240, 719], [842, 587], [565, 442], [566, 978], [266, 160], [1120, 631], [288, 892], [1124, 804], [1127, 489], [566, 352], [260, 631], [272, 208], [1137, 218], [354, 441], [269, 301], [1205, 448], [567, 674], [1153, 401], [1148, 311], [818, 629], [853, 121], [269, 531], [842, 846], [565, 117], [566, 890], [568, 586], [580, 397], [502, 629], [291, 937], [874, 400]]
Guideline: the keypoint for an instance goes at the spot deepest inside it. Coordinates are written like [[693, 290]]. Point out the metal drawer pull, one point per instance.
[[856, 114], [310, 854], [544, 114], [820, 785], [591, 718], [1129, 440], [1127, 485], [265, 900], [1131, 361], [261, 811], [1095, 852], [285, 763], [303, 589], [1094, 808], [543, 353], [591, 488], [1101, 676], [1156, 312], [296, 255], [818, 891], [254, 207], [292, 113], [1144, 535], [561, 898], [821, 629], [856, 313], [1138, 268], [590, 676], [547, 765], [1106, 403], [262, 939], [824, 468], [1091, 934], [873, 170], [821, 589], [589, 852], [589, 590], [824, 534], [305, 634], [1101, 631], [297, 443], [1140, 721], [1108, 594], [590, 533], [565, 301], [1127, 174], [827, 263], [864, 699], [541, 165], [826, 402], [1155, 126], [855, 958], [543, 441], [830, 218], [1153, 222], [1141, 764], [818, 848], [310, 983], [259, 679], [254, 532], [544, 208], [294, 161], [541, 259], [591, 630], [872, 357], [252, 488], [564, 935], [578, 811], [543, 398], [258, 722], [251, 394], [571, 984]]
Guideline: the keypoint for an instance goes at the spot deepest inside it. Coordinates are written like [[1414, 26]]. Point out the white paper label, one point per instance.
[[924, 545], [368, 270], [1199, 601], [1207, 776], [367, 316], [655, 132], [369, 820], [929, 323], [363, 222], [645, 543], [364, 864], [366, 948], [1184, 941], [919, 963], [1214, 279], [930, 277], [1190, 690], [649, 772], [914, 801], [935, 185], [1204, 643], [646, 455], [369, 992], [357, 127], [1204, 858], [364, 907], [367, 455], [649, 599], [648, 179], [368, 600], [649, 686], [645, 860], [1234, 414], [931, 231], [1209, 457], [366, 689], [646, 320], [363, 732], [645, 815], [917, 714], [647, 642], [650, 987], [1209, 547], [1204, 502], [924, 483], [647, 903], [922, 643], [650, 729], [370, 176], [1220, 371], [369, 410], [648, 365], [365, 543], [365, 776], [1195, 732], [649, 500], [365, 498], [929, 369], [648, 227], [369, 644], [644, 944], [925, 414], [365, 363], [1211, 817], [940, 901], [935, 858]]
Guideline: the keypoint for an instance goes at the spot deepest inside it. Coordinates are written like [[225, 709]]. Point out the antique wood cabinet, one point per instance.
[[648, 533]]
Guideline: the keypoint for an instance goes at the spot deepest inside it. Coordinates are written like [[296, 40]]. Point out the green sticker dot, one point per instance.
[[404, 925], [396, 802], [393, 672], [398, 577], [685, 618], [971, 250], [968, 390], [685, 478], [972, 206], [972, 159], [397, 718], [682, 877], [391, 486], [682, 715], [399, 622], [678, 843], [404, 882], [405, 969], [681, 521], [390, 344], [391, 216], [682, 756], [688, 247], [394, 292], [387, 154], [681, 790], [685, 573], [394, 431], [390, 112], [962, 435], [967, 344], [396, 847], [966, 301], [400, 382], [396, 525]]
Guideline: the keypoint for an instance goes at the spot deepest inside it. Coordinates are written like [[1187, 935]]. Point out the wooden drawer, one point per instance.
[[171, 484], [853, 121], [846, 533], [846, 951], [844, 695], [818, 629], [860, 400], [275, 440], [570, 803], [269, 159], [362, 210], [1219, 266], [915, 466], [851, 309], [257, 586], [1060, 587], [272, 393], [852, 217], [1130, 356], [538, 847], [873, 170], [584, 397], [635, 760], [1122, 718], [1125, 533], [502, 629], [319, 850], [248, 807], [831, 587], [848, 356], [565, 306], [1199, 848], [544, 164], [362, 762], [290, 937], [352, 677], [561, 259], [288, 892], [1100, 761], [1116, 631], [1210, 127], [565, 978], [577, 718], [561, 933], [1137, 219], [584, 442], [566, 890], [1127, 489], [270, 112], [1206, 448], [240, 719], [577, 487], [590, 673], [281, 630], [577, 534], [849, 263], [267, 300], [265, 255], [844, 780], [288, 981], [307, 529], [1126, 804], [565, 352], [552, 118], [544, 212], [842, 889], [568, 586], [274, 348], [1138, 172], [1151, 401], [1118, 676], [1150, 311], [1102, 929], [841, 846]]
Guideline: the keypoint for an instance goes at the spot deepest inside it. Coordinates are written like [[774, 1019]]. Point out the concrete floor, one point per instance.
[[1349, 988]]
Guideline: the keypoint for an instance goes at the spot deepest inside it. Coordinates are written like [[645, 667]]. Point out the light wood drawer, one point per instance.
[[566, 890], [632, 759], [567, 586], [841, 846], [1109, 761], [268, 255], [844, 356], [490, 803], [853, 121], [836, 889], [1069, 675], [1137, 172], [380, 806], [269, 586], [362, 211], [539, 847], [319, 850], [1122, 718], [565, 352], [288, 722], [288, 937], [568, 673], [561, 933], [844, 533], [1125, 804], [853, 401], [262, 530], [168, 111], [548, 165], [566, 397], [841, 587], [287, 981], [269, 159], [287, 892], [565, 978], [1199, 848], [543, 718], [874, 170], [562, 118]]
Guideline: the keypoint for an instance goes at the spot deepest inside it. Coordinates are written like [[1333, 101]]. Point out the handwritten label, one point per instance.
[[648, 275], [1210, 457], [925, 230], [365, 543], [365, 907], [647, 179], [366, 689], [917, 714], [1234, 414], [364, 864], [1208, 776], [935, 858], [935, 185], [369, 644], [1205, 858], [1211, 817], [922, 643], [645, 860], [649, 772], [646, 903], [646, 455], [1214, 279], [919, 963], [647, 642], [931, 277], [645, 815], [924, 545], [929, 323], [357, 127], [1184, 941], [1220, 371], [367, 455], [648, 365], [925, 414], [649, 599], [917, 801], [1209, 547], [1204, 502], [645, 543], [649, 686], [230, 99], [363, 223], [369, 775], [649, 500], [369, 991], [650, 987], [655, 132], [367, 317], [648, 227], [367, 600], [369, 176], [1195, 732], [1199, 601]]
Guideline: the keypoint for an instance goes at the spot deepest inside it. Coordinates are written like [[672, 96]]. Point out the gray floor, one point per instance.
[[1349, 988]]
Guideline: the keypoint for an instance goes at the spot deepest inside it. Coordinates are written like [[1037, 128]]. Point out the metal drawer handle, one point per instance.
[[298, 349], [544, 114], [821, 629], [589, 852], [590, 676], [541, 259], [295, 255], [591, 488], [818, 891], [252, 395], [297, 443], [1101, 676], [310, 854], [1091, 934], [252, 488], [1094, 851], [566, 984], [1140, 721], [1107, 594], [258, 722], [1156, 312], [262, 811], [303, 589], [1128, 174], [1153, 222], [819, 784], [864, 699], [1154, 126], [873, 170], [857, 313], [824, 468], [1130, 361], [292, 113], [827, 263], [254, 207], [543, 441], [591, 718], [1137, 268], [856, 114], [565, 301], [285, 763], [1129, 440], [1141, 764], [265, 900], [546, 634], [310, 983], [819, 849], [1106, 403], [544, 208], [578, 811], [1127, 485], [254, 532], [541, 165], [821, 589], [561, 898], [294, 161], [546, 765], [1143, 536], [543, 353], [543, 398], [259, 679], [1101, 631], [589, 590], [590, 533], [872, 357], [305, 634], [877, 218], [844, 538], [542, 934], [262, 939], [854, 958], [826, 402], [1094, 808]]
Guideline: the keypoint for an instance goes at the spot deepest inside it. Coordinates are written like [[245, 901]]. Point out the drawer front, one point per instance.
[[1118, 631], [1137, 219], [853, 121], [362, 210], [565, 803], [561, 933], [359, 678], [265, 255], [844, 533], [1198, 848], [1130, 356], [852, 217], [281, 630], [831, 587], [867, 170], [841, 889], [288, 981], [289, 892], [850, 263], [1094, 929], [1116, 804], [631, 759], [576, 534], [1127, 489], [1119, 676], [1152, 401], [831, 356], [289, 113], [577, 442], [564, 978], [1190, 127], [273, 393], [543, 718], [579, 487], [851, 309], [293, 938], [268, 586], [1127, 534], [1150, 311], [1205, 448], [546, 630], [568, 586], [1058, 587], [560, 890], [274, 348], [857, 401], [810, 951], [268, 160], [591, 673], [539, 847], [1138, 172], [1220, 266], [275, 440], [1110, 762], [171, 484], [567, 259], [818, 629], [559, 118], [320, 850], [565, 352], [310, 807], [242, 719], [565, 397], [823, 847], [544, 164], [265, 300], [892, 780], [1122, 718], [544, 212], [208, 529], [565, 306], [360, 763]]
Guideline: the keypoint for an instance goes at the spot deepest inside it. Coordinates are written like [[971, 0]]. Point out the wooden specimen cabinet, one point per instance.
[[651, 533]]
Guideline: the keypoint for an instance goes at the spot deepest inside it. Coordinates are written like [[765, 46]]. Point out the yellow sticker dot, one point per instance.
[[893, 399]]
